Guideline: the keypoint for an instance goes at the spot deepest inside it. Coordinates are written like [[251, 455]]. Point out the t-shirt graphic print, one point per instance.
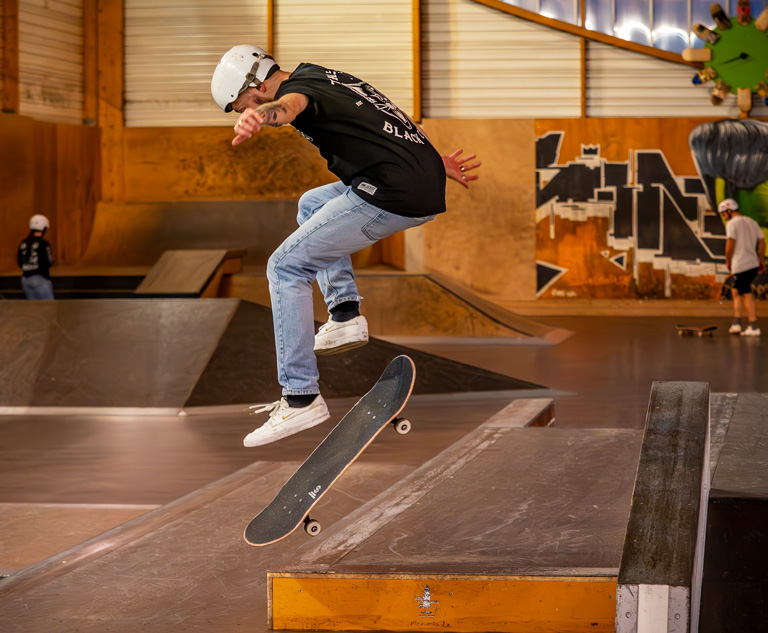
[[368, 142]]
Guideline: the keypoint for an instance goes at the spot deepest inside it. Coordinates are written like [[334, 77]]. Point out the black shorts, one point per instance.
[[744, 280]]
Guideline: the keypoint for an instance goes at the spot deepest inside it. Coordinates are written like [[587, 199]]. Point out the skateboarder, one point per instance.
[[744, 258], [391, 178], [35, 260]]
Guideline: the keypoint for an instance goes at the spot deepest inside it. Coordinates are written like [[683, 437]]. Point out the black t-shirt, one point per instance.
[[35, 257], [368, 142]]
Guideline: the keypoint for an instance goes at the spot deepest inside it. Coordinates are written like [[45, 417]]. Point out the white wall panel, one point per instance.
[[481, 63], [51, 60], [623, 83], [371, 40], [171, 50]]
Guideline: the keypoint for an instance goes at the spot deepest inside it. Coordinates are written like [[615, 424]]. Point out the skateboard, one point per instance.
[[701, 330], [343, 445], [720, 17], [719, 92], [761, 21], [744, 12], [706, 34], [705, 75], [697, 55]]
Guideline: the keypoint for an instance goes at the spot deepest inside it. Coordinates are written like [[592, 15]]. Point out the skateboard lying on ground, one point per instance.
[[343, 445], [700, 330]]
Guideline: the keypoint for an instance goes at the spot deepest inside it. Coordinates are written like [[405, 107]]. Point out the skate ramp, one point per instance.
[[243, 367], [190, 273], [112, 353], [413, 309], [137, 234], [145, 355], [481, 521]]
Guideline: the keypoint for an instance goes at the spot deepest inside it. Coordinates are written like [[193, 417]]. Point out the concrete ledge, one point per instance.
[[661, 567]]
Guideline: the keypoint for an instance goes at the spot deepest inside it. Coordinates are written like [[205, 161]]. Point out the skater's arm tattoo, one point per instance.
[[274, 113], [284, 110]]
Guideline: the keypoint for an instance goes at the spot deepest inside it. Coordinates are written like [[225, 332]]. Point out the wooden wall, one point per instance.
[[51, 169], [485, 241], [170, 164]]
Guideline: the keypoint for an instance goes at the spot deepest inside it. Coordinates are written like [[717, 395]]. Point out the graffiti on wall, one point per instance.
[[623, 229]]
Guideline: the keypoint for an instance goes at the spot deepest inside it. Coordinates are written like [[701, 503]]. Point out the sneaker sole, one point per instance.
[[338, 349]]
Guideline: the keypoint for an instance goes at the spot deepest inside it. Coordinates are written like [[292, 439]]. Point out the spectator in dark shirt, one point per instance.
[[35, 260]]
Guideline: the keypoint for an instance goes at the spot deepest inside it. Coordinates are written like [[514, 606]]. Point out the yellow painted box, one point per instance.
[[358, 602]]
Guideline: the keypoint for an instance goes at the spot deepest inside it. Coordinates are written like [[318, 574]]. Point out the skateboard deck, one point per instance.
[[700, 330], [343, 445]]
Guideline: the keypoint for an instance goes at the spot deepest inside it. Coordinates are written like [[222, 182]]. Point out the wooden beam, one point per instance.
[[271, 27], [110, 91], [90, 62], [586, 33], [10, 67], [416, 7], [583, 52]]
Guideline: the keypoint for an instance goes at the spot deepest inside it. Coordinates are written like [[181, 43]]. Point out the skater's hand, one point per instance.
[[272, 113], [457, 167], [247, 125]]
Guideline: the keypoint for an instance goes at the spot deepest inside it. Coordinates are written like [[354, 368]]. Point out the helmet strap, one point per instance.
[[250, 78]]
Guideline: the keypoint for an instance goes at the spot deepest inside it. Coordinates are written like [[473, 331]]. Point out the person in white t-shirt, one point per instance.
[[745, 259]]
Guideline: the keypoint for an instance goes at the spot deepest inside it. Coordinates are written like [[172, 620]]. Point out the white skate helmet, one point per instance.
[[38, 223], [240, 67], [729, 204]]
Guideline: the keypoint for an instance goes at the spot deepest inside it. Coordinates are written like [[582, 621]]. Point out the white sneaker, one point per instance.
[[751, 331], [284, 420], [734, 329], [335, 337]]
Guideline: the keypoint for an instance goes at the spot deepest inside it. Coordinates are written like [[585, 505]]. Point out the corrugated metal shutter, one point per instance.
[[622, 83], [371, 40], [171, 49], [51, 60], [481, 63]]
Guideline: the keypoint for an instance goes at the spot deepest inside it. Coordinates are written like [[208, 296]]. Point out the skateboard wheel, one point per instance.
[[402, 426], [312, 527]]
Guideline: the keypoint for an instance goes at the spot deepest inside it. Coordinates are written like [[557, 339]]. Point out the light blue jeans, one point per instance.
[[37, 287], [333, 223]]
